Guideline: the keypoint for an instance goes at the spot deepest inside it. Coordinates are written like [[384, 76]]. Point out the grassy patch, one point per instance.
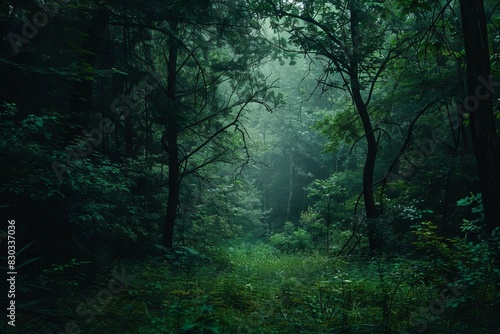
[[256, 289]]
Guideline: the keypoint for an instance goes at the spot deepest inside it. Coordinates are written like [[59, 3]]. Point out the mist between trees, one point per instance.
[[253, 166]]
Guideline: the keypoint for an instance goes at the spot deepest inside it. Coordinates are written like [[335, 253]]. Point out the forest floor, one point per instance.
[[256, 289]]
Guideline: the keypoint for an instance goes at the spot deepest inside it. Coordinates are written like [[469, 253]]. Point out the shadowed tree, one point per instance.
[[207, 92], [479, 104]]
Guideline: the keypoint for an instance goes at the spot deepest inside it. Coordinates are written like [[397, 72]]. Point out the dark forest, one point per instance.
[[232, 167]]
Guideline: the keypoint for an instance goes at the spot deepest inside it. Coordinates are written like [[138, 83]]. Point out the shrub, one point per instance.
[[292, 240]]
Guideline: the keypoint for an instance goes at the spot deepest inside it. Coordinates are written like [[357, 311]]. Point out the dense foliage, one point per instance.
[[251, 166]]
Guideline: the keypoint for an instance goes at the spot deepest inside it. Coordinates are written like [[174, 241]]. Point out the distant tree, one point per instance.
[[288, 154]]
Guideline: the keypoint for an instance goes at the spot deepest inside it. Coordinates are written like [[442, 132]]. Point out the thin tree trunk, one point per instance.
[[328, 223], [375, 240], [290, 185], [371, 156], [171, 148]]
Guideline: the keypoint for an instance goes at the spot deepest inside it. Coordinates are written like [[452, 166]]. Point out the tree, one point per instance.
[[354, 52], [479, 104], [216, 92]]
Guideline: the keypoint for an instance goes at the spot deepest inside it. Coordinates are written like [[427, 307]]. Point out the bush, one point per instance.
[[292, 240]]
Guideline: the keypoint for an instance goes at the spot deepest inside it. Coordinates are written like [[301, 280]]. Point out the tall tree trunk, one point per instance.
[[371, 156], [484, 135], [171, 147], [374, 238]]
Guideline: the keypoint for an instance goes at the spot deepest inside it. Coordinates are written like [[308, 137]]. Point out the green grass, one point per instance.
[[256, 289], [264, 291]]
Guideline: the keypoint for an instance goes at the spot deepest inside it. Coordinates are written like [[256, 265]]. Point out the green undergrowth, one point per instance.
[[264, 291], [256, 289]]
